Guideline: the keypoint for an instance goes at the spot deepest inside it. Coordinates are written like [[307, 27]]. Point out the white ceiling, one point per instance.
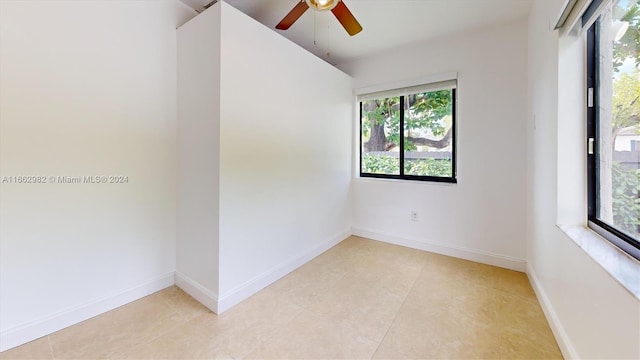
[[387, 24]]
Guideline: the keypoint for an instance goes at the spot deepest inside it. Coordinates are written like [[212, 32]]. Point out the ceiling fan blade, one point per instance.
[[292, 16], [346, 18]]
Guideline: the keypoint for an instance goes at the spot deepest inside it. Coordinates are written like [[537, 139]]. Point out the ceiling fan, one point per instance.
[[337, 7]]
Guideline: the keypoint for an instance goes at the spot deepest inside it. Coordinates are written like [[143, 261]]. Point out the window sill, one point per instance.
[[359, 178], [622, 267]]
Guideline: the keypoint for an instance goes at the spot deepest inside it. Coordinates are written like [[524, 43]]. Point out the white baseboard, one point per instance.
[[568, 351], [243, 291], [32, 330], [444, 249], [197, 291]]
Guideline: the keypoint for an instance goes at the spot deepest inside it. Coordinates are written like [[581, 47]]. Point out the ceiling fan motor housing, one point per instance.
[[322, 5], [337, 7]]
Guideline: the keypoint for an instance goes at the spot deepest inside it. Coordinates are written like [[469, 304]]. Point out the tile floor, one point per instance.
[[362, 299]]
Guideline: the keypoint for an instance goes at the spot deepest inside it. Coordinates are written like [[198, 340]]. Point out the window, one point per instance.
[[613, 122], [409, 133]]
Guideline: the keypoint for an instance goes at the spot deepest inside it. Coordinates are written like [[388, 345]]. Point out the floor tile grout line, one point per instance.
[[156, 336], [165, 300], [494, 300], [136, 345], [175, 326], [301, 309], [53, 357], [274, 333], [398, 312]]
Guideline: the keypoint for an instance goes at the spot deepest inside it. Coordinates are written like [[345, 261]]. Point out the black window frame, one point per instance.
[[619, 238], [402, 176]]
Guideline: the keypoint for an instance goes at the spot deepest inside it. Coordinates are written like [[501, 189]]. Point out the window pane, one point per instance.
[[381, 136], [619, 115], [428, 131]]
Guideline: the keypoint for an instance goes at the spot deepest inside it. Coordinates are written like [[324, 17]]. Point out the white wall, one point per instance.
[[592, 315], [86, 88], [482, 217], [264, 152], [285, 166], [199, 156]]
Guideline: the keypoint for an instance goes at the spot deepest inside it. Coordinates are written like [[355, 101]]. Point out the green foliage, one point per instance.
[[380, 164], [626, 113], [385, 113], [629, 44], [425, 111], [428, 167], [626, 199], [375, 164], [626, 100]]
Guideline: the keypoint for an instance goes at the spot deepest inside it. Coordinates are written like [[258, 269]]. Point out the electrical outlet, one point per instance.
[[414, 216]]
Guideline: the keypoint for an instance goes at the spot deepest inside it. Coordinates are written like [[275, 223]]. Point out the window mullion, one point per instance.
[[360, 143], [454, 109], [401, 130]]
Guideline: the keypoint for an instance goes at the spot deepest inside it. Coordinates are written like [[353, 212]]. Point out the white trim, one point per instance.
[[484, 257], [616, 262], [596, 14], [197, 291], [243, 291], [194, 5], [407, 90], [32, 330], [565, 10], [575, 15], [566, 347], [406, 83]]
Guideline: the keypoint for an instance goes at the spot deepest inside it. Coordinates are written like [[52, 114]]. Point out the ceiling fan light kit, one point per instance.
[[337, 7], [322, 5]]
